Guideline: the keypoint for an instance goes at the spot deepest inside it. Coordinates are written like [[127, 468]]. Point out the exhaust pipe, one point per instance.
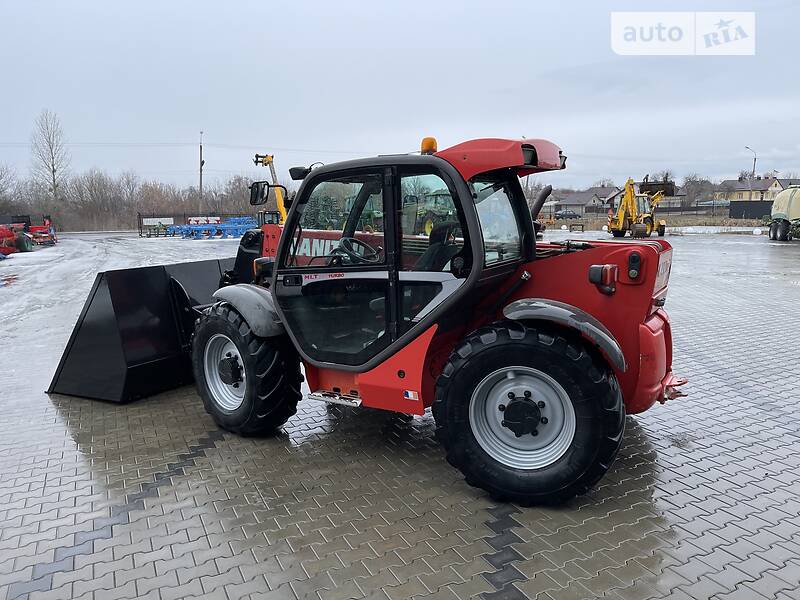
[[539, 201], [133, 336]]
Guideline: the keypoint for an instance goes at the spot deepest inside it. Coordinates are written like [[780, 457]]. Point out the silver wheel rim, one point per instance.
[[526, 452], [226, 396]]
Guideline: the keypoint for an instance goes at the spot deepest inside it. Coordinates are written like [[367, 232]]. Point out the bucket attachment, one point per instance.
[[132, 338]]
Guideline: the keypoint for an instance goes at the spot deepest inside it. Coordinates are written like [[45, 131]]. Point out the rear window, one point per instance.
[[501, 236]]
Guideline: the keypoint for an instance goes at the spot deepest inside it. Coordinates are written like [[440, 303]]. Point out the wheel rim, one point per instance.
[[228, 396], [527, 451]]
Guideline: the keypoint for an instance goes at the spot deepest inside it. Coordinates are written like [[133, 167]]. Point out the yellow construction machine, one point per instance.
[[636, 212], [268, 160]]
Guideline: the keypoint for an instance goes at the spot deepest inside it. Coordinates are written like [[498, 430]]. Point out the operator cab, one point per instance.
[[376, 250]]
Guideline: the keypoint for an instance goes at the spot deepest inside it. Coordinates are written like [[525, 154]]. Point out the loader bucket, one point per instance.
[[132, 338]]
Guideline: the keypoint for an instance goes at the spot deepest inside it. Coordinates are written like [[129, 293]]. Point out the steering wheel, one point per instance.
[[348, 246]]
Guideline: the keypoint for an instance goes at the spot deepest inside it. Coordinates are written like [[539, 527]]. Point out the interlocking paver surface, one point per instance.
[[151, 500]]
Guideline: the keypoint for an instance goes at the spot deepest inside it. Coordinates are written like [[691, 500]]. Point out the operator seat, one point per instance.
[[440, 250]]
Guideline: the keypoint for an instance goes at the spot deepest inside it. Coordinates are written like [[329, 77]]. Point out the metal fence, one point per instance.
[[155, 224], [720, 210], [745, 209]]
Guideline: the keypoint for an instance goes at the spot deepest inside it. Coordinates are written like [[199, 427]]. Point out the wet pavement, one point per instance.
[[151, 500]]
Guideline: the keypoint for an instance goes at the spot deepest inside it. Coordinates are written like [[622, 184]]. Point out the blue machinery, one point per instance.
[[233, 227]]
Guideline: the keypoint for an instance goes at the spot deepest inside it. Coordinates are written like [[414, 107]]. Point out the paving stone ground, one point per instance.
[[151, 500]]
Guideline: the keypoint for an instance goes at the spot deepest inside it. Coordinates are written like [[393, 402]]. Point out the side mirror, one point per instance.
[[259, 192]]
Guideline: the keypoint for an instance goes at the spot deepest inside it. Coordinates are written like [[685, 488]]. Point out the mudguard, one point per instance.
[[541, 309], [256, 306]]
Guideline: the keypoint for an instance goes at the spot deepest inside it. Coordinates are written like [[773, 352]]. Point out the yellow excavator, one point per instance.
[[636, 212]]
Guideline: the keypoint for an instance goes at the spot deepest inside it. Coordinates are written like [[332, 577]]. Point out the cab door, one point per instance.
[[335, 283]]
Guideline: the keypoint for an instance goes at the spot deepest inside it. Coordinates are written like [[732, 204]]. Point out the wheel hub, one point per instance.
[[521, 415], [230, 371], [224, 372]]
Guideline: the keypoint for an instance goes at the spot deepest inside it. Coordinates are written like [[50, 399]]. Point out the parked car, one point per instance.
[[566, 213]]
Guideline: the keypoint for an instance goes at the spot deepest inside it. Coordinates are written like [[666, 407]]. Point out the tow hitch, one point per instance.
[[671, 385]]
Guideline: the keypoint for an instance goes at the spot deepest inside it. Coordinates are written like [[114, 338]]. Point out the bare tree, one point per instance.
[[698, 188], [50, 155], [7, 179], [665, 175], [604, 182], [7, 183]]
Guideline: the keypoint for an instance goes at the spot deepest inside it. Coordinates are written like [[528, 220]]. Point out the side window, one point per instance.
[[501, 237], [431, 238], [430, 230], [341, 224]]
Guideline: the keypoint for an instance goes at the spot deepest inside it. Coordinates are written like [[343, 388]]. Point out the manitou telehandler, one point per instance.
[[529, 354]]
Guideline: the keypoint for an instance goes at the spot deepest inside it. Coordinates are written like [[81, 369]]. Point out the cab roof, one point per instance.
[[489, 154]]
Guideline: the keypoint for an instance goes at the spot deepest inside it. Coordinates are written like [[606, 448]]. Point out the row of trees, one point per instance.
[[95, 199]]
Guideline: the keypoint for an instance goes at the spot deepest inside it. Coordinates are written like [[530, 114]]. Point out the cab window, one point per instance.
[[501, 236], [430, 228], [341, 224]]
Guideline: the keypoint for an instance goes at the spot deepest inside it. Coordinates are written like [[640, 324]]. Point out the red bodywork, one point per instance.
[[7, 240], [631, 313], [43, 234]]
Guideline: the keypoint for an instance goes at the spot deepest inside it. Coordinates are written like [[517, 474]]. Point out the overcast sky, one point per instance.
[[133, 84]]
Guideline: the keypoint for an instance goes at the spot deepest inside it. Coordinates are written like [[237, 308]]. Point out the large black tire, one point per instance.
[[661, 229], [618, 233], [591, 388], [773, 230], [271, 373], [782, 232]]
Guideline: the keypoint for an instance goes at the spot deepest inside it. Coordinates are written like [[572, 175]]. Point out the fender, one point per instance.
[[256, 306], [541, 309]]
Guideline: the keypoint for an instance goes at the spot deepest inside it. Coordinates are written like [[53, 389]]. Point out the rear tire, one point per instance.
[[782, 232], [773, 231], [578, 391], [618, 233], [265, 371]]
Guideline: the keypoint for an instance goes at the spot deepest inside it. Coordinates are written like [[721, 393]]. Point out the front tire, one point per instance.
[[249, 385], [579, 416], [618, 233]]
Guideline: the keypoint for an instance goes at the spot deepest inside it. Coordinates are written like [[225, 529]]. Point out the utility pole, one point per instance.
[[753, 174], [202, 162]]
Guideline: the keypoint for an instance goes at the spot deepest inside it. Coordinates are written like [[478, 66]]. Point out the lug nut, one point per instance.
[[518, 434], [527, 394], [544, 420], [504, 424], [511, 395], [540, 404], [236, 385], [534, 433], [502, 407], [227, 355]]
